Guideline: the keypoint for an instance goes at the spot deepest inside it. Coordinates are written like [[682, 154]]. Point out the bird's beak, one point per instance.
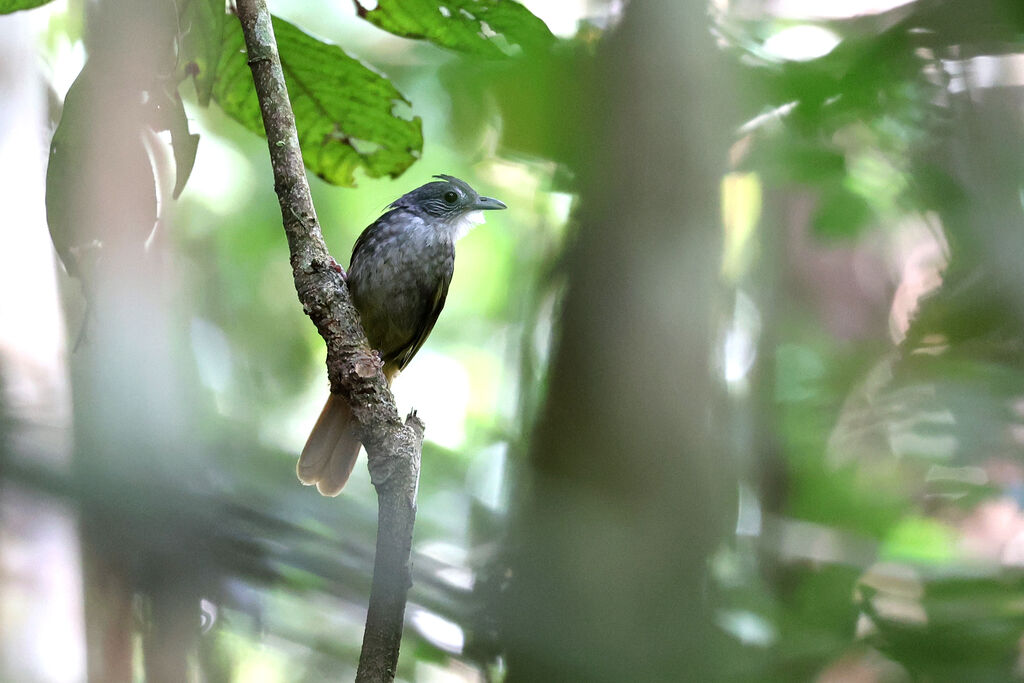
[[485, 203]]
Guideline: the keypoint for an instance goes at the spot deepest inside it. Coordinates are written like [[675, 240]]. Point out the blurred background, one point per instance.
[[733, 391]]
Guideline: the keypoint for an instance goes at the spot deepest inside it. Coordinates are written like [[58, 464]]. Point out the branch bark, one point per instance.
[[393, 446]]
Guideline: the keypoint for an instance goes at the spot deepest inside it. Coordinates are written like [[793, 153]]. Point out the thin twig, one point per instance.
[[393, 447]]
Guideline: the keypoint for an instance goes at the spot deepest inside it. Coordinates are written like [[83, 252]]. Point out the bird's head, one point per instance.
[[449, 201]]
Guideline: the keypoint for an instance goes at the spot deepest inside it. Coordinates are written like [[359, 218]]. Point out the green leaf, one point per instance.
[[841, 214], [492, 28], [919, 539], [344, 111], [8, 6], [201, 25], [185, 148], [784, 160], [169, 114]]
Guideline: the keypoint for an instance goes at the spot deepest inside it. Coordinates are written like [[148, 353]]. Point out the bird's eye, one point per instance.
[[450, 197]]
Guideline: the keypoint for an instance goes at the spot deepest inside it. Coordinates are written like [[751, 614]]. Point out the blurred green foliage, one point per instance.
[[897, 446]]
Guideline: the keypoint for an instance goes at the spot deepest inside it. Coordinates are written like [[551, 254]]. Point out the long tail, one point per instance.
[[331, 450]]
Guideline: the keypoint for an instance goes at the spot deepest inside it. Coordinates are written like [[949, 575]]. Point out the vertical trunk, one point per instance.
[[133, 436], [628, 493], [108, 614], [172, 633]]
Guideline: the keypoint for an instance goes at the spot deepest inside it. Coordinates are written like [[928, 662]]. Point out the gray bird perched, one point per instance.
[[401, 267]]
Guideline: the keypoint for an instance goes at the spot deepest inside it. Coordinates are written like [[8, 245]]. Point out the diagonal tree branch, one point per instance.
[[393, 447]]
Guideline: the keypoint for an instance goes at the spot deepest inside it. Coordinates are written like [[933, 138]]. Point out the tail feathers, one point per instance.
[[332, 448]]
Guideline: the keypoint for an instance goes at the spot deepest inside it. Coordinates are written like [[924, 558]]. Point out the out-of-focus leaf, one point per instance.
[[201, 29], [842, 214], [972, 632], [799, 371], [797, 161], [812, 384], [491, 28], [70, 194], [344, 111], [185, 148], [919, 539], [65, 148], [535, 97], [937, 189], [169, 115], [8, 6]]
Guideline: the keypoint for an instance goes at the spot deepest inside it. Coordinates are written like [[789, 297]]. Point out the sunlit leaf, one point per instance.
[[8, 6], [490, 28], [919, 539], [344, 111]]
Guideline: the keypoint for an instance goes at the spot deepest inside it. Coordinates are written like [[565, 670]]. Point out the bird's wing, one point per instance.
[[438, 296], [382, 227]]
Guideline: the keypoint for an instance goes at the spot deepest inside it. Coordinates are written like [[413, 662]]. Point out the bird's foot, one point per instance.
[[336, 267], [413, 420]]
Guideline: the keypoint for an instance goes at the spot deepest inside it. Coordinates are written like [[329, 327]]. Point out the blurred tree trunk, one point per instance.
[[135, 449], [628, 492]]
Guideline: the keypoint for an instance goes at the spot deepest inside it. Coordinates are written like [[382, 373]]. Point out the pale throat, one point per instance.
[[462, 225]]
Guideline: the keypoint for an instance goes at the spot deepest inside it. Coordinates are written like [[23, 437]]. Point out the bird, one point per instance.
[[398, 278]]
